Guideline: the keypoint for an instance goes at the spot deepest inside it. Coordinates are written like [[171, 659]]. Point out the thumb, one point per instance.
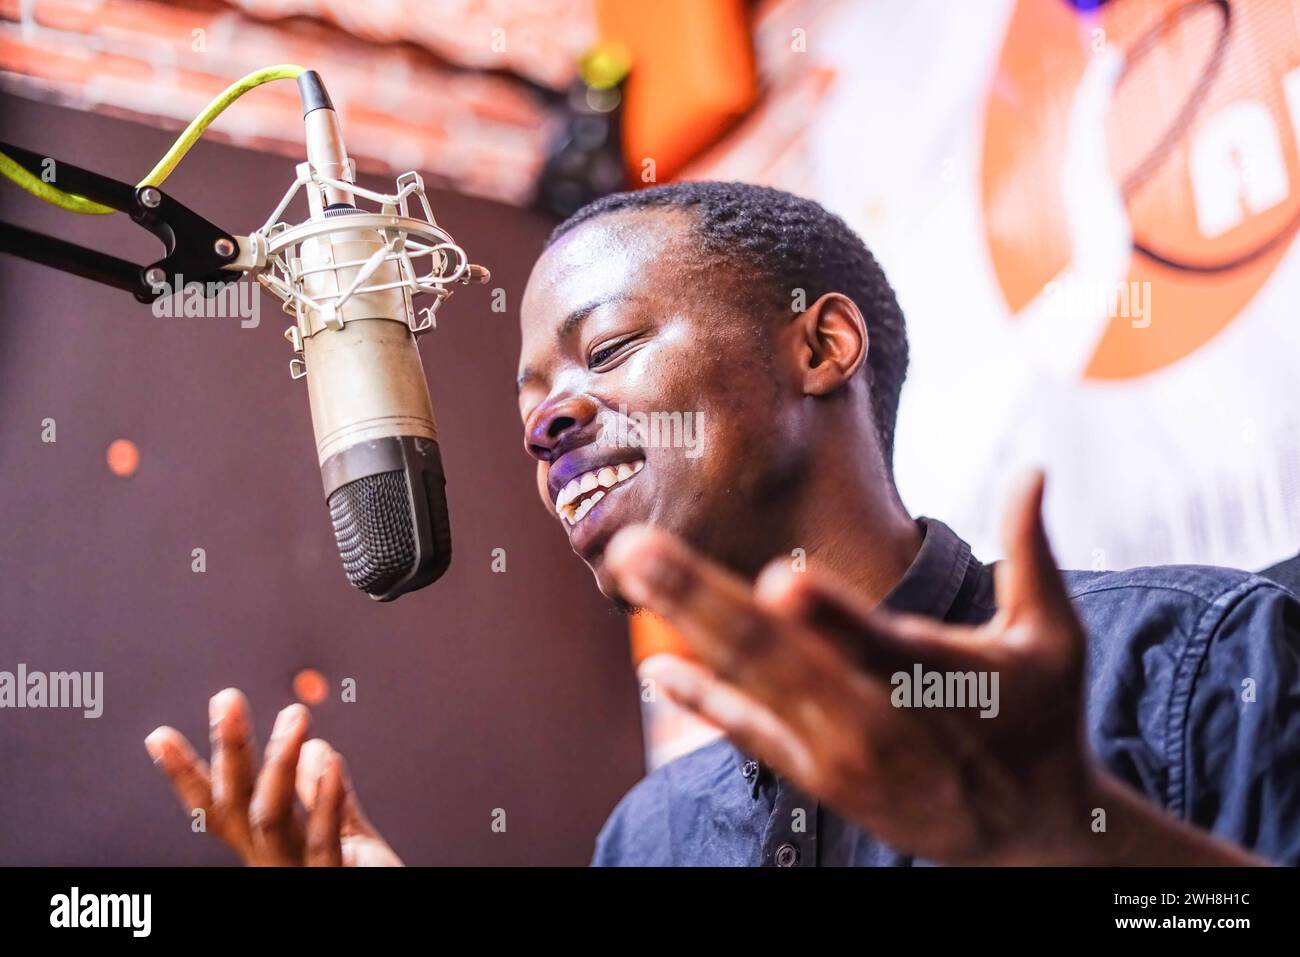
[[1029, 586]]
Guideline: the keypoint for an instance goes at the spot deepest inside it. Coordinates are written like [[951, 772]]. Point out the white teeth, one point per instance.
[[567, 494], [587, 506], [597, 481]]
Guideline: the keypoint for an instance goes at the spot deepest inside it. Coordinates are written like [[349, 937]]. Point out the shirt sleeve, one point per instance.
[[1241, 736], [637, 833]]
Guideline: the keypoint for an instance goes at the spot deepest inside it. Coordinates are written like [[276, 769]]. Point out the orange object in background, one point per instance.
[[653, 636], [310, 687], [687, 85], [669, 730], [1025, 147], [123, 458]]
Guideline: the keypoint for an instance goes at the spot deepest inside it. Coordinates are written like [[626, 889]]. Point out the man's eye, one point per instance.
[[603, 355]]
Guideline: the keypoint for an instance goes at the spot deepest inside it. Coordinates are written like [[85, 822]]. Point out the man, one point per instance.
[[1135, 717]]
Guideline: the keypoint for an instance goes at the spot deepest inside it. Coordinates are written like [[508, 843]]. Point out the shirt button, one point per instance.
[[787, 855]]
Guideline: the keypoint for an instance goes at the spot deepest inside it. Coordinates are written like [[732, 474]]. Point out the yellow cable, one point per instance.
[[48, 191], [79, 204]]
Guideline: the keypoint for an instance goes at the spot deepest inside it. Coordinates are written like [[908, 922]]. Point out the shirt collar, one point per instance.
[[931, 583]]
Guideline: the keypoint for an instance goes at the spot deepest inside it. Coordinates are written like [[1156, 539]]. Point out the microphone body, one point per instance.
[[376, 437]]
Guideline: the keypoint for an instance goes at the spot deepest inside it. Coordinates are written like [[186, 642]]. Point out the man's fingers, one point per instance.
[[311, 765], [271, 810], [750, 725], [1029, 585], [230, 728], [312, 758], [187, 771], [193, 785], [879, 641], [324, 844], [714, 611]]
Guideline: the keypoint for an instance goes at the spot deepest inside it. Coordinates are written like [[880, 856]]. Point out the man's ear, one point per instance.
[[832, 340]]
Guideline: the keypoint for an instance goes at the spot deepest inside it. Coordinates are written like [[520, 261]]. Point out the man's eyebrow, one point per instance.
[[575, 319]]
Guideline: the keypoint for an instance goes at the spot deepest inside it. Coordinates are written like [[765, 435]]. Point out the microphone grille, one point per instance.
[[374, 530]]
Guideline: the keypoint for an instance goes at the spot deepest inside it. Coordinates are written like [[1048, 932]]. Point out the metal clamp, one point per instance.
[[298, 364]]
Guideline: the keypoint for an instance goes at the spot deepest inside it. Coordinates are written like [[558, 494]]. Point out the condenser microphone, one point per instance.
[[348, 275], [351, 277]]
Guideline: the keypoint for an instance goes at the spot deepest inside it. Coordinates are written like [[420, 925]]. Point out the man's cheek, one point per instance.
[[543, 492]]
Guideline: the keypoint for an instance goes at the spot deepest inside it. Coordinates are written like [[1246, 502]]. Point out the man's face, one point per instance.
[[636, 359]]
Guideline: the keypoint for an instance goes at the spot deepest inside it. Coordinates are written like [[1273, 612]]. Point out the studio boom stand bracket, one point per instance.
[[196, 250]]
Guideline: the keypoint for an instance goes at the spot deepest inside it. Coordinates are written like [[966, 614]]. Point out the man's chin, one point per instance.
[[605, 580], [608, 585], [593, 554]]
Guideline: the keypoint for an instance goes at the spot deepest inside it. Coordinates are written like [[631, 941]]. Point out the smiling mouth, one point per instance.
[[581, 494]]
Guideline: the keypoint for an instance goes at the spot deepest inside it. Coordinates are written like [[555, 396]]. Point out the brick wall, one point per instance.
[[454, 88]]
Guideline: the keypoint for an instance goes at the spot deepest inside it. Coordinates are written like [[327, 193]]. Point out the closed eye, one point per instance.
[[605, 353]]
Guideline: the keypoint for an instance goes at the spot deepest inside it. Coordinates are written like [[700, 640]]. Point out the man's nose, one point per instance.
[[553, 424]]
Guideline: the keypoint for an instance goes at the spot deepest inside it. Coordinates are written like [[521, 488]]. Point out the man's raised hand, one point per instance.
[[254, 811]]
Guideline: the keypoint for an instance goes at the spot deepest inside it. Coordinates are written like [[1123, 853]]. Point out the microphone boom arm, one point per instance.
[[196, 249]]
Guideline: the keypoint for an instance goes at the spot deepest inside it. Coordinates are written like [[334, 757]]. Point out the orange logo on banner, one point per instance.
[[1202, 130]]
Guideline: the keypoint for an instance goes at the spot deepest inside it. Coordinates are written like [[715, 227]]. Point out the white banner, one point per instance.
[[1088, 219]]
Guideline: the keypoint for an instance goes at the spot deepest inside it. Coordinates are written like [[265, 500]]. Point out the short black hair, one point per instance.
[[787, 243]]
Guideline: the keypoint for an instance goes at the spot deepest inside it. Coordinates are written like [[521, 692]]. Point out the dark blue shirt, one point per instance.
[[1193, 697]]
